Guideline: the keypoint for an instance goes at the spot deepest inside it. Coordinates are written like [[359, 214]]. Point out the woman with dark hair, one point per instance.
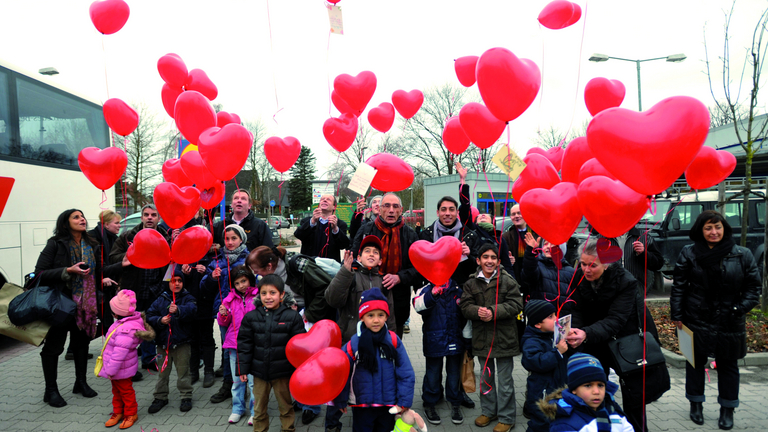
[[716, 283], [72, 262], [265, 260]]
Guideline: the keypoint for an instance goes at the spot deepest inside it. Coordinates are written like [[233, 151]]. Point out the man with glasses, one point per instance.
[[396, 238]]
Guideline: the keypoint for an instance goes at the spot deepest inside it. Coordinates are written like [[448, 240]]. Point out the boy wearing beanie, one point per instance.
[[588, 403], [543, 359], [381, 373]]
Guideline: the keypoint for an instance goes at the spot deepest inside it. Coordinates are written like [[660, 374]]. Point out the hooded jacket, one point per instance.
[[443, 320], [238, 305], [569, 412], [120, 358], [547, 367], [180, 327]]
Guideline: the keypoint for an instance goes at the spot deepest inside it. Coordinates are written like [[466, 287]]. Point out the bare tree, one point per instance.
[[749, 131], [143, 148], [721, 115], [258, 165]]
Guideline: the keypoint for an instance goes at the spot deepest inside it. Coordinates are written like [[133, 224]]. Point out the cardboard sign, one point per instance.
[[334, 16], [362, 178]]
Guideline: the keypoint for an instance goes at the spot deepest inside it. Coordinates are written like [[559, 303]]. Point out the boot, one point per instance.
[[81, 366], [726, 418], [697, 416], [209, 354], [224, 393], [50, 371]]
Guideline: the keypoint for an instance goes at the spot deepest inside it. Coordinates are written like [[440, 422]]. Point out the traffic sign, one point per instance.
[[272, 203]]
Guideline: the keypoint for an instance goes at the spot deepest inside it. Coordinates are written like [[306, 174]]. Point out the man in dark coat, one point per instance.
[[514, 237], [323, 234], [256, 229], [638, 245]]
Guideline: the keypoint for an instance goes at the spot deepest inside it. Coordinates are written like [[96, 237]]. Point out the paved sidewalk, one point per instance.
[[22, 407]]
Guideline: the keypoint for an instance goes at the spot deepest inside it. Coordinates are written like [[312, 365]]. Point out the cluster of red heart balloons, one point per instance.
[[322, 368]]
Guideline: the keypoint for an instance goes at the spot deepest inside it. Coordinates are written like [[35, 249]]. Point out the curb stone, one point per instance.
[[678, 361]]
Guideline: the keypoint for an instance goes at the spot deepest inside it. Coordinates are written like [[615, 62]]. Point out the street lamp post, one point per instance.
[[674, 58]]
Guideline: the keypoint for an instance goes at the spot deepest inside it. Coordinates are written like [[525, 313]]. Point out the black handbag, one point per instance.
[[630, 353], [42, 303]]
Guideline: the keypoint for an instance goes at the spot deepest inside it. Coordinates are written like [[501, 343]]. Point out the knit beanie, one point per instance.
[[239, 230], [537, 310], [124, 303], [371, 300], [584, 368]]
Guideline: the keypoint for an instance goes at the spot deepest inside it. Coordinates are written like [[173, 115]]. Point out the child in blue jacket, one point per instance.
[[381, 374], [443, 323], [542, 359]]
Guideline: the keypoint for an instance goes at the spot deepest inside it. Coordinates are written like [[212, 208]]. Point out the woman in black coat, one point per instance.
[[716, 284], [71, 261], [605, 306]]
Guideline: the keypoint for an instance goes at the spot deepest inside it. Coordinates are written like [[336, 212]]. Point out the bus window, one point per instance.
[[5, 129]]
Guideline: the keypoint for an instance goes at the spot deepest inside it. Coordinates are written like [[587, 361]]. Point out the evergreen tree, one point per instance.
[[302, 174]]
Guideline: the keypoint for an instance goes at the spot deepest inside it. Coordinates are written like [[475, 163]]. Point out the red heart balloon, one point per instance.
[[109, 16], [323, 334], [480, 125], [648, 151], [194, 114], [557, 256], [436, 261], [176, 205], [340, 131], [169, 96], [454, 138], [194, 168], [198, 80], [356, 91], [282, 153], [191, 245], [559, 14], [465, 69], [607, 252], [342, 106], [554, 154], [611, 207], [538, 173], [507, 84], [103, 168], [602, 93], [593, 167], [554, 213], [211, 197], [149, 250], [576, 153], [392, 173], [225, 150], [172, 70], [172, 172], [321, 378], [382, 117], [407, 103], [709, 168], [120, 117], [224, 118]]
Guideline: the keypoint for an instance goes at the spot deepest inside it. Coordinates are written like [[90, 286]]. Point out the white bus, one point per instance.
[[42, 130]]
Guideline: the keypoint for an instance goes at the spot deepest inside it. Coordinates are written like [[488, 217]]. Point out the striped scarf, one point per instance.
[[391, 256]]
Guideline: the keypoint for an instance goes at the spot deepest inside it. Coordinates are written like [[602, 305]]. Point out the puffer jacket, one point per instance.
[[443, 320], [717, 317], [181, 326], [541, 275], [262, 339], [344, 291], [392, 383], [120, 358], [238, 305], [547, 367], [220, 289], [569, 412], [479, 293]]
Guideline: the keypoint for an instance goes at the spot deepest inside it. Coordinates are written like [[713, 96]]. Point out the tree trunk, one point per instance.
[[764, 298], [747, 191]]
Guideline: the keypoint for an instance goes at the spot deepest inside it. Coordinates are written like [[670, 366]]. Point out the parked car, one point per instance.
[[282, 222], [129, 222]]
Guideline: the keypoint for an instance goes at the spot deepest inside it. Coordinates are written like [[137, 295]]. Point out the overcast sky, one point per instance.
[[408, 45]]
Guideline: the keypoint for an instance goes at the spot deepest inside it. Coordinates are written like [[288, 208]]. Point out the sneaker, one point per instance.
[[224, 393], [467, 402], [503, 427], [129, 421], [186, 405], [250, 421], [406, 328], [234, 418], [431, 415], [157, 405], [307, 416], [114, 419], [456, 416], [138, 377], [484, 420]]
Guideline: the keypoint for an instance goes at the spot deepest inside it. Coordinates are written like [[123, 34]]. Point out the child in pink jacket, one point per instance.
[[231, 312], [120, 359]]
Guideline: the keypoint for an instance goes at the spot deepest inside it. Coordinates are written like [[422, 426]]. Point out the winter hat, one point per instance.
[[538, 310], [239, 230], [584, 368], [371, 240], [371, 300], [124, 303]]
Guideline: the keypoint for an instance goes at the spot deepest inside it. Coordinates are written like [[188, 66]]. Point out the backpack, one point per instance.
[[304, 272]]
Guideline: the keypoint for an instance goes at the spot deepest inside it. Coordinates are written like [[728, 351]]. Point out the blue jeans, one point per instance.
[[431, 389], [241, 391], [225, 362]]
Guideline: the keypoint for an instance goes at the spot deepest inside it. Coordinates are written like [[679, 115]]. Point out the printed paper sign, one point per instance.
[[562, 328], [509, 162], [334, 16], [362, 178], [685, 337]]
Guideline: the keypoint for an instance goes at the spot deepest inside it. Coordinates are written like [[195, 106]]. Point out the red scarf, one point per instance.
[[391, 256]]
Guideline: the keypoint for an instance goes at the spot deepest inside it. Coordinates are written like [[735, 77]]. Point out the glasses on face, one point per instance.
[[393, 206]]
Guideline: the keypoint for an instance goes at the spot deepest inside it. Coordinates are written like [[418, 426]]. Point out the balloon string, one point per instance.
[[541, 97], [328, 72], [578, 74], [104, 52], [272, 50]]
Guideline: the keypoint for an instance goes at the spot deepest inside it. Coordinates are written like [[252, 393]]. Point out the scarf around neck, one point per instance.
[[709, 259], [84, 288], [391, 256], [441, 230], [232, 255], [371, 346]]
